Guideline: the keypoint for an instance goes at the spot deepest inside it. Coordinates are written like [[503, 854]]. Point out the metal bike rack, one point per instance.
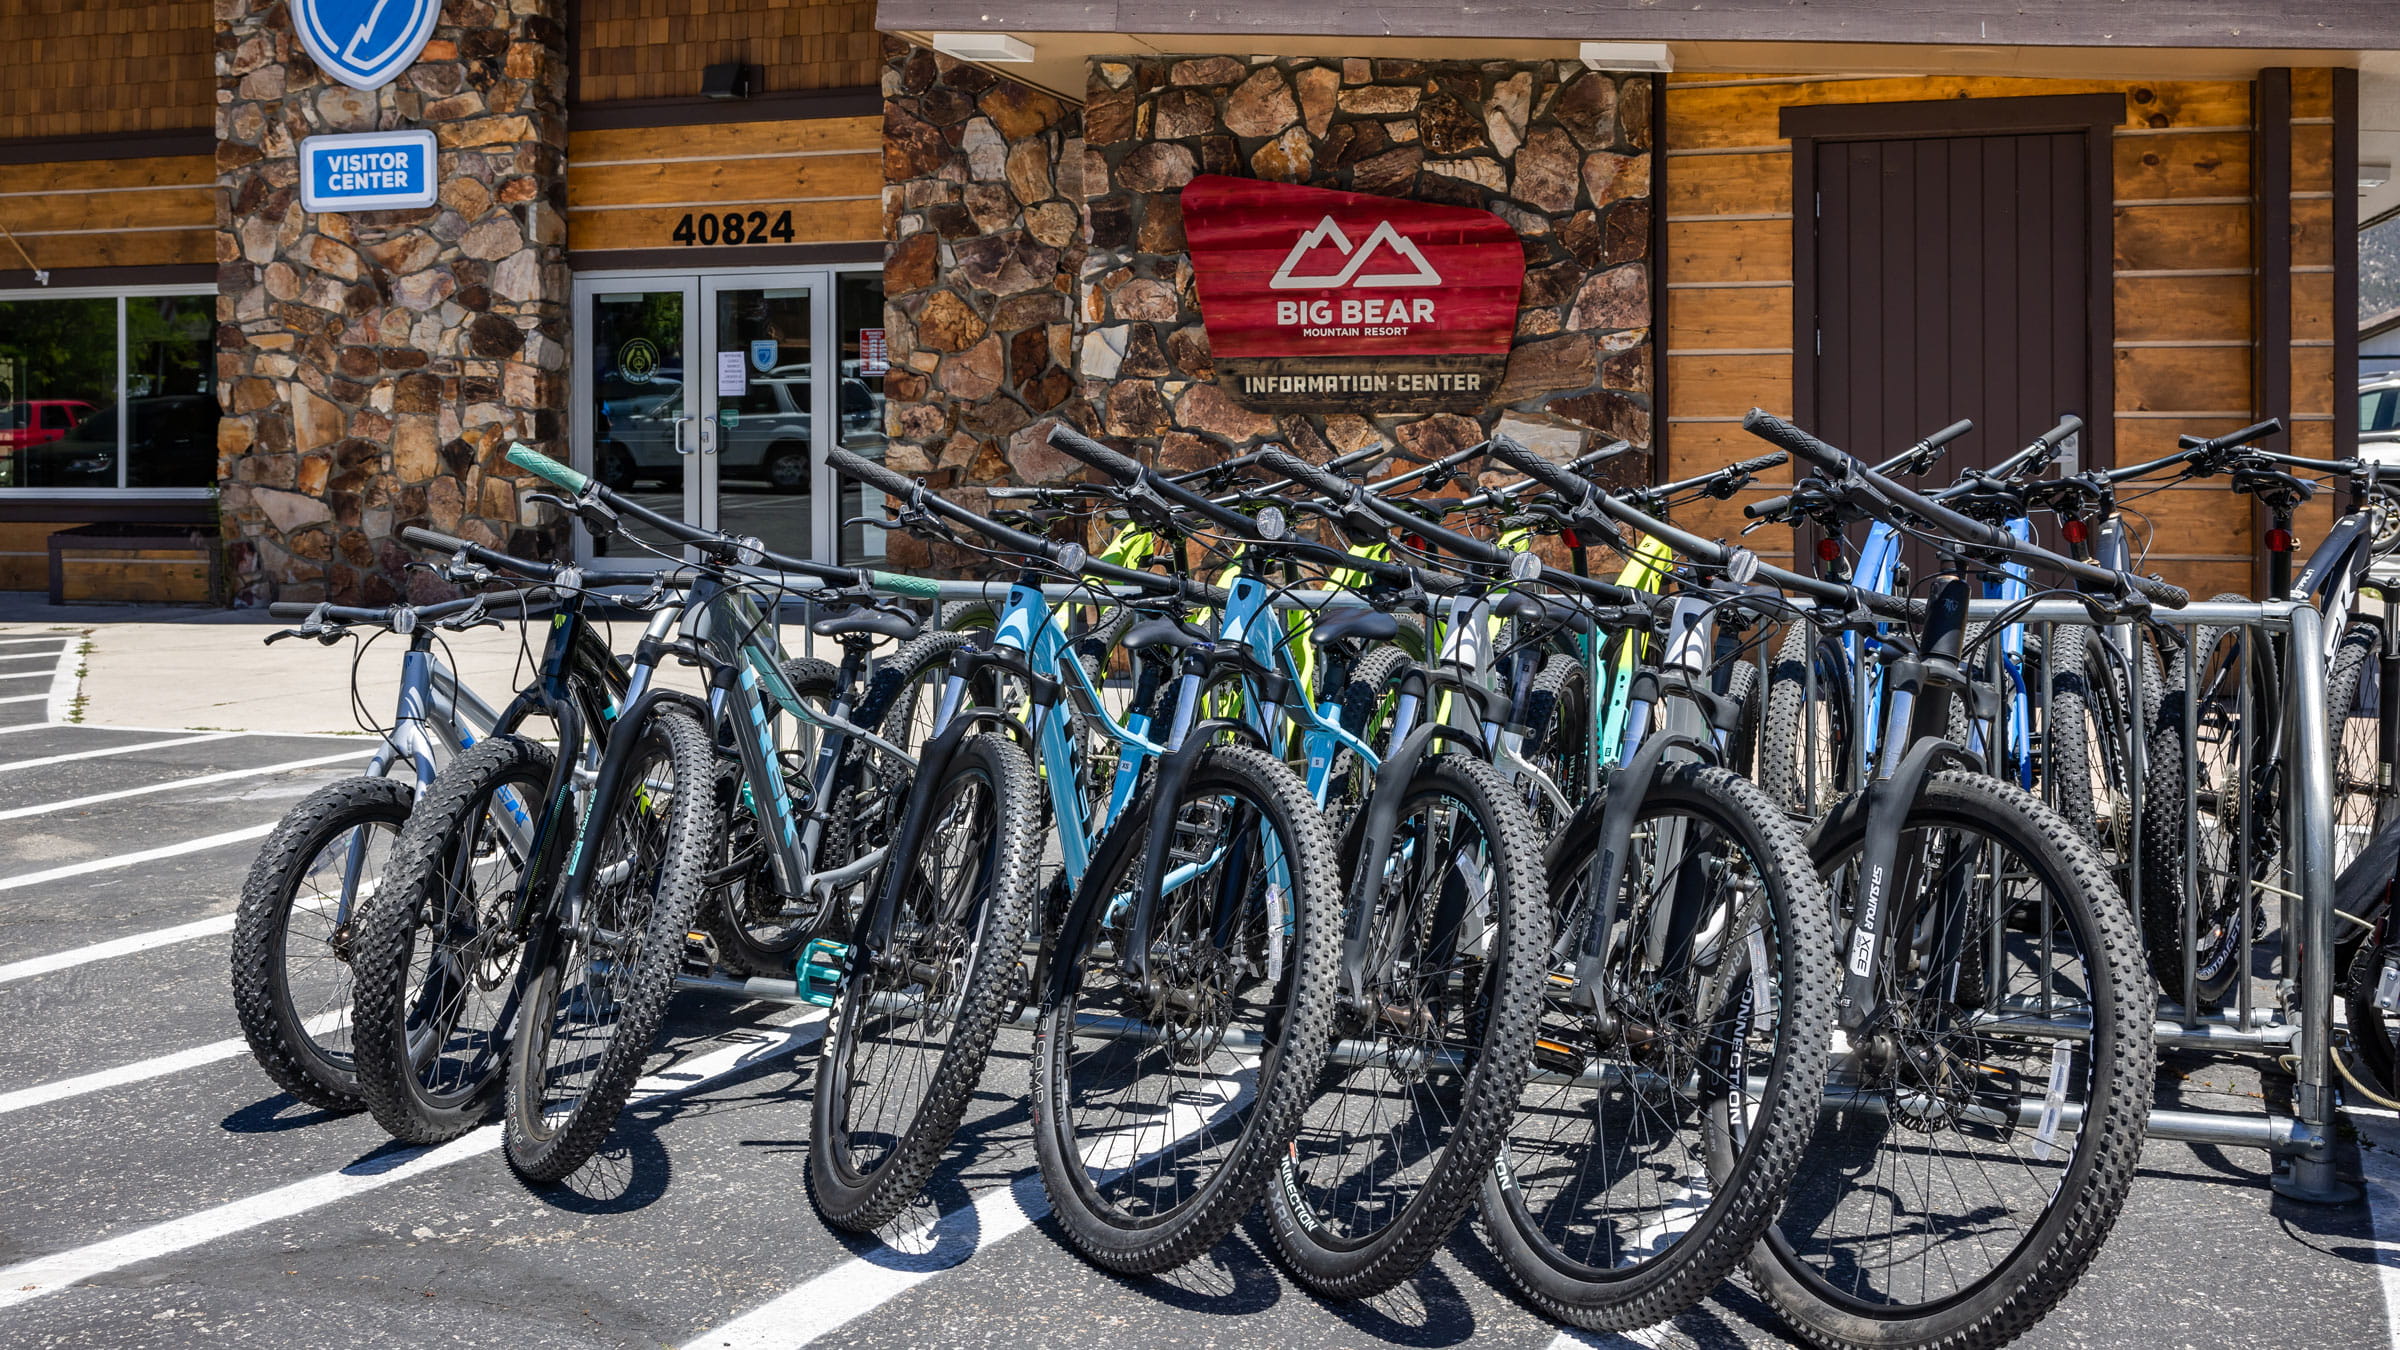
[[2300, 1022]]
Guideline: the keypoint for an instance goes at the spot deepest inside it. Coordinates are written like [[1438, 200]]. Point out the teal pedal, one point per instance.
[[824, 965]]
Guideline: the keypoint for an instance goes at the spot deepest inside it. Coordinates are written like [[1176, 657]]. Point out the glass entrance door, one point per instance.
[[704, 395], [759, 456]]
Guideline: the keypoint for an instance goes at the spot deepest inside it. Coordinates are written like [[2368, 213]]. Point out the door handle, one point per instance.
[[680, 447], [708, 436]]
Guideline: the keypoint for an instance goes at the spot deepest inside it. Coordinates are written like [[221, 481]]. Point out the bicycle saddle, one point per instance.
[[873, 622], [1369, 625]]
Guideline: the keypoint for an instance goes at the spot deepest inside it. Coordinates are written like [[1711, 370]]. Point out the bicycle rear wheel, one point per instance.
[[918, 1016], [1970, 1158], [1646, 1160], [1806, 756], [601, 975], [1434, 1049], [436, 954], [1159, 1109]]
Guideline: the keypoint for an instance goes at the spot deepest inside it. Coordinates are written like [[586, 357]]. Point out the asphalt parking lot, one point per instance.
[[155, 1189]]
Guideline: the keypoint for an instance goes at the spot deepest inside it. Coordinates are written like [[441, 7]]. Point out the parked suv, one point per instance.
[[762, 434], [35, 421]]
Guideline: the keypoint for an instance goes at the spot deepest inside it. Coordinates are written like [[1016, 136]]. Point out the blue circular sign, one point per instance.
[[365, 43]]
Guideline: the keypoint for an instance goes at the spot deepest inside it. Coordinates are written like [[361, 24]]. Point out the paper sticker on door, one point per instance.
[[732, 380]]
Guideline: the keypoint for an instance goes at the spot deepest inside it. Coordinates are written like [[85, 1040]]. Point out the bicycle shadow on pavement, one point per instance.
[[276, 1114]]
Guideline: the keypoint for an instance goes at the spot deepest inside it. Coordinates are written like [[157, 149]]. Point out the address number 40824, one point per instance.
[[710, 228]]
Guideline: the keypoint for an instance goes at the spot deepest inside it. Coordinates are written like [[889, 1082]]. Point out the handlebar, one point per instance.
[[1068, 556], [2229, 440], [433, 613], [1891, 495], [443, 543], [1915, 459]]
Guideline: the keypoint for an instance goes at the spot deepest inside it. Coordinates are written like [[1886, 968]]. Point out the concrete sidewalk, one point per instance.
[[209, 669]]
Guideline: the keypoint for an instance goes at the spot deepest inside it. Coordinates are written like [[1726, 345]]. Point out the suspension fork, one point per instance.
[[1914, 747], [1174, 771]]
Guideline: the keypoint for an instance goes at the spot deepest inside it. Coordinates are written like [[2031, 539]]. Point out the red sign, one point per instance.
[[1324, 301]]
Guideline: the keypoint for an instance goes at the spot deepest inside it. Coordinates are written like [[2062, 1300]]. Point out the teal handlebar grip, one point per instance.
[[542, 466], [898, 583]]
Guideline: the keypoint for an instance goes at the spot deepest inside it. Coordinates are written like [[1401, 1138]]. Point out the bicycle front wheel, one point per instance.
[[1434, 1043], [603, 970], [1666, 1116], [918, 1015], [1161, 1104], [293, 933], [1971, 1155]]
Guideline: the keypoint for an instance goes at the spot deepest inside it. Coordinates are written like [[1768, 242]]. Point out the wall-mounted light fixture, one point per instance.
[[988, 47], [727, 79], [1628, 56], [2374, 173]]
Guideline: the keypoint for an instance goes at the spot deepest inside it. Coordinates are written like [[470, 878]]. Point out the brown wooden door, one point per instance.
[[1952, 280]]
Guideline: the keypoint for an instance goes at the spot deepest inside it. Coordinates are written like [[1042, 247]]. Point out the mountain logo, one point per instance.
[[1384, 241]]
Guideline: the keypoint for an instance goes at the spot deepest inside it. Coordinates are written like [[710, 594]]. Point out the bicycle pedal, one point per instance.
[[823, 968], [699, 954]]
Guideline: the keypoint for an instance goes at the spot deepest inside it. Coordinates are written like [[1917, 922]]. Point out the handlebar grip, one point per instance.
[[1306, 474], [424, 538], [1775, 431], [2254, 431], [1951, 432], [2057, 435], [869, 472], [1768, 506], [1092, 452], [899, 583], [1762, 463], [542, 466], [2172, 596], [1534, 464], [292, 609]]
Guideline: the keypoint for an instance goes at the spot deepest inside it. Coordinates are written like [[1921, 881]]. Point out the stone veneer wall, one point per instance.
[[1560, 152], [373, 367], [983, 216]]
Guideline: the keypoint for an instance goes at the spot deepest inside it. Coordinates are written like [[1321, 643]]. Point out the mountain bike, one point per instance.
[[1994, 1064], [296, 921], [1184, 994]]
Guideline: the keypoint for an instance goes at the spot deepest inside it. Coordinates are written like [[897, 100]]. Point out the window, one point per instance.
[[107, 392]]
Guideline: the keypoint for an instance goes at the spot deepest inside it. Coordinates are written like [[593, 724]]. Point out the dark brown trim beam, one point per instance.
[[1953, 117], [129, 145], [2300, 24], [200, 276], [2345, 263], [619, 114], [1659, 295], [2271, 207], [776, 255]]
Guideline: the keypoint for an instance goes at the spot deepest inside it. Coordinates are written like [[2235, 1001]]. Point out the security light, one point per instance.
[[726, 79], [982, 47], [1628, 56]]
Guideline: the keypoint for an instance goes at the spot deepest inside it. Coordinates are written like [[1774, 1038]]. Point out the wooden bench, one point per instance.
[[126, 562]]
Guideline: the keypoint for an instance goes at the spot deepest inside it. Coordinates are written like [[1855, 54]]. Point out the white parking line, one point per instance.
[[66, 682], [159, 1067], [24, 698], [48, 760], [204, 780], [20, 641], [28, 656], [130, 859], [2379, 1168], [124, 946], [866, 1282], [29, 1280], [1642, 1338], [24, 674]]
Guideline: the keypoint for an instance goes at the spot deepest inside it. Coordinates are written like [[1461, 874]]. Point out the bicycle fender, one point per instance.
[[1626, 789], [1240, 730], [1885, 801]]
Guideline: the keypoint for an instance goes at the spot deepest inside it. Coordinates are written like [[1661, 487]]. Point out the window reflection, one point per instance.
[[58, 372]]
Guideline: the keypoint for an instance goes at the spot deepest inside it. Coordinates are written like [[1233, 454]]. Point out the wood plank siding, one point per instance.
[[146, 212], [2185, 279], [632, 188]]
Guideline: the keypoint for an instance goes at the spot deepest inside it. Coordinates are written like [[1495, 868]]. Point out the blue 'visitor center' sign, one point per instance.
[[370, 171]]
